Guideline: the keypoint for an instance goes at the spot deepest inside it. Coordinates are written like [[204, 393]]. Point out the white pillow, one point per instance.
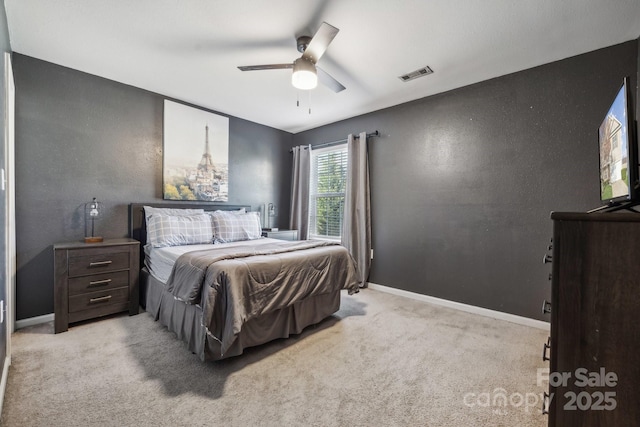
[[235, 226], [174, 230]]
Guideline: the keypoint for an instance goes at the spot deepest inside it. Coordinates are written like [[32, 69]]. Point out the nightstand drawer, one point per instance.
[[98, 282], [97, 299], [98, 263]]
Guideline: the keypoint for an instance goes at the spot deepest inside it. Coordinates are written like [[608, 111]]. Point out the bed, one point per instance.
[[238, 289]]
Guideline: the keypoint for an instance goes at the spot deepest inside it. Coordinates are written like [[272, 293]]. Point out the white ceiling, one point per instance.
[[189, 50]]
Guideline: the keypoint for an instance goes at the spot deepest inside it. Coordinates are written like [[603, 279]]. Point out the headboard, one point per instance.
[[138, 226]]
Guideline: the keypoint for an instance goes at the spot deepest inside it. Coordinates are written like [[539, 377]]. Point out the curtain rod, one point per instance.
[[340, 141]]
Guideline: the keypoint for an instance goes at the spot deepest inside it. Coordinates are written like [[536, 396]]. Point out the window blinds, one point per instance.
[[327, 190]]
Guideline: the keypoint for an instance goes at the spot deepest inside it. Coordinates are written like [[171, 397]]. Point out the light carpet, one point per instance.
[[382, 360]]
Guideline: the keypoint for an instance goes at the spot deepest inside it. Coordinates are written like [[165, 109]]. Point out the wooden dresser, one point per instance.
[[95, 279], [595, 310]]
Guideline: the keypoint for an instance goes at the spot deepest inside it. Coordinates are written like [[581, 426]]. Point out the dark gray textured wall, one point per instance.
[[462, 183], [79, 136]]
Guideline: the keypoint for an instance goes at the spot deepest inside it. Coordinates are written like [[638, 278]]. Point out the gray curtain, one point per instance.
[[299, 213], [356, 226]]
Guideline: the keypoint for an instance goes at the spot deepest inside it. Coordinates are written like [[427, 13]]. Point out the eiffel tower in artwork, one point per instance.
[[206, 163]]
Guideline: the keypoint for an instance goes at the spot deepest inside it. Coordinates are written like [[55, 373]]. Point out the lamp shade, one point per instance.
[[304, 75]]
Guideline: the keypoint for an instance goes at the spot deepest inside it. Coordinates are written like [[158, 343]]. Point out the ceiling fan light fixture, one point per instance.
[[304, 75]]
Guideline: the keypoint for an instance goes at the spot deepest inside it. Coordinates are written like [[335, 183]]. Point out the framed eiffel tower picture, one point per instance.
[[195, 154]]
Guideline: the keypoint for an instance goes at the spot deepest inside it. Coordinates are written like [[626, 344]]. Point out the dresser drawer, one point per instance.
[[98, 263], [98, 282], [97, 299]]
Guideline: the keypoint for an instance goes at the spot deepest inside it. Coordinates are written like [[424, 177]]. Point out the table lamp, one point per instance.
[[92, 212]]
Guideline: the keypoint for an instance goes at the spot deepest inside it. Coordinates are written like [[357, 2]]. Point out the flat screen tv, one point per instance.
[[618, 161]]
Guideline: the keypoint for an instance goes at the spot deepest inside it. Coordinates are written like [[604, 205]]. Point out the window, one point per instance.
[[614, 140], [327, 187]]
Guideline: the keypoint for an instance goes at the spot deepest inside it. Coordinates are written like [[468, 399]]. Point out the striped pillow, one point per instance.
[[148, 211], [172, 230], [235, 226]]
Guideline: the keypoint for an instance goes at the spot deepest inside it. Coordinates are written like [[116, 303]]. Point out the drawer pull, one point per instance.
[[99, 282], [99, 263], [546, 347], [547, 259], [100, 299], [545, 403], [546, 307]]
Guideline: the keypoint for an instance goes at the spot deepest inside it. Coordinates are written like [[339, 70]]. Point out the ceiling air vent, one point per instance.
[[417, 73]]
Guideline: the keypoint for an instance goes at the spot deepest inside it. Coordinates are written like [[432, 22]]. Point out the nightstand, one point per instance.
[[94, 280], [281, 234]]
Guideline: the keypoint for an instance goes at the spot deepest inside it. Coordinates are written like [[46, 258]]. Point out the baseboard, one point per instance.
[[3, 381], [464, 307], [23, 323]]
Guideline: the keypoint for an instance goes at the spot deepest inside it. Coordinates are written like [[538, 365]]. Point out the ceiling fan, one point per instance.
[[305, 71]]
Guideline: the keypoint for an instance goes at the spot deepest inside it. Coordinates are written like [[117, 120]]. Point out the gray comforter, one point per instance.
[[237, 284]]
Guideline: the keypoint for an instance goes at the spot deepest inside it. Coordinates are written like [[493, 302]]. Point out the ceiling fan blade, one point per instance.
[[319, 43], [265, 67], [329, 81]]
